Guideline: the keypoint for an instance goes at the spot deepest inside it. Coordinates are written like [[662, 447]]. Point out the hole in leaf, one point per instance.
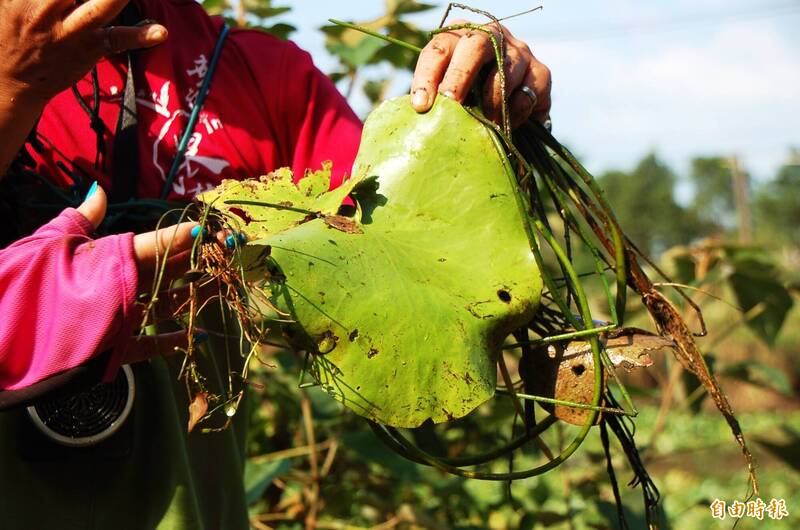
[[327, 342], [504, 295], [241, 213], [578, 369]]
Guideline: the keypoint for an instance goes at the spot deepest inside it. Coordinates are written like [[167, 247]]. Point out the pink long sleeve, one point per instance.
[[64, 298]]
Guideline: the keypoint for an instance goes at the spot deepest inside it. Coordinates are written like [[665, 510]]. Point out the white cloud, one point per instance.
[[734, 88], [743, 64]]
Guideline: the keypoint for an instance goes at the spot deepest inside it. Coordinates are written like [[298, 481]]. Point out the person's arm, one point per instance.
[[16, 121], [320, 125], [66, 297], [310, 120], [47, 45]]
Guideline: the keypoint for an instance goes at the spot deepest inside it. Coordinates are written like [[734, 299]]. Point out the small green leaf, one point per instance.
[[258, 477], [402, 7], [262, 9], [215, 7], [760, 374], [485, 494], [682, 264], [786, 448], [368, 447], [375, 90], [357, 54], [756, 281], [280, 30]]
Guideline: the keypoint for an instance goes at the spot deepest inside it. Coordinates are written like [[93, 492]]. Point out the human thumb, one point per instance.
[[94, 205]]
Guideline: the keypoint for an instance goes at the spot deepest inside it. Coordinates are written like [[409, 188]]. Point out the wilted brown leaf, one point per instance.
[[197, 409], [564, 370]]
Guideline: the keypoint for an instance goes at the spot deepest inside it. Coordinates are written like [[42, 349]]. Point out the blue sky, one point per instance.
[[682, 78]]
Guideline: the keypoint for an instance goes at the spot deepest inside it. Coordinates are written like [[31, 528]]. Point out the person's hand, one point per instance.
[[449, 64], [48, 45], [150, 248]]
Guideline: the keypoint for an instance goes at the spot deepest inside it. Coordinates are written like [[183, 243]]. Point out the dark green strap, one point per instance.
[[187, 134]]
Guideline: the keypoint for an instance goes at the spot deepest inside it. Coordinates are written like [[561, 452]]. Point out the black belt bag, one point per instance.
[[73, 408]]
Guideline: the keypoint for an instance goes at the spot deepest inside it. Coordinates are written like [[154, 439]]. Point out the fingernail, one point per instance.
[[420, 99], [237, 238], [197, 230], [92, 189], [200, 337], [156, 32]]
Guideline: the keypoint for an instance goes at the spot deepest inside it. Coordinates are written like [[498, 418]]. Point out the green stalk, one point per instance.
[[563, 336], [390, 436], [362, 29], [571, 404], [616, 231]]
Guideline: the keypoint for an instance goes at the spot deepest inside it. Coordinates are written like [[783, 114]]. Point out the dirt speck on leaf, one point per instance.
[[342, 223]]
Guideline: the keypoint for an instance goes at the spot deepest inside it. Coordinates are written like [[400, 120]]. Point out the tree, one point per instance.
[[644, 201], [777, 205], [713, 201]]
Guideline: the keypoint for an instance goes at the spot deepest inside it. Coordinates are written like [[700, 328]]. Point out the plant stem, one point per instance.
[[371, 33]]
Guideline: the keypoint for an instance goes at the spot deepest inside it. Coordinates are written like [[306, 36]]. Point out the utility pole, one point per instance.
[[741, 194], [794, 156]]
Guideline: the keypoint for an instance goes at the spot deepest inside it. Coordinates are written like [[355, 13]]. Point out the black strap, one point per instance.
[[125, 164], [95, 122]]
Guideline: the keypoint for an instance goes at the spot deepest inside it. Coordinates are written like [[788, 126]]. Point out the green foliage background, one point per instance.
[[314, 465]]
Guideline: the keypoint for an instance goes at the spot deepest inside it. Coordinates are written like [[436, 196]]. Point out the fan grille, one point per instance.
[[87, 417]]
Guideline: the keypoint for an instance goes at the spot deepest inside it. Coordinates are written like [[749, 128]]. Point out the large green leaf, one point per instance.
[[406, 313]]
